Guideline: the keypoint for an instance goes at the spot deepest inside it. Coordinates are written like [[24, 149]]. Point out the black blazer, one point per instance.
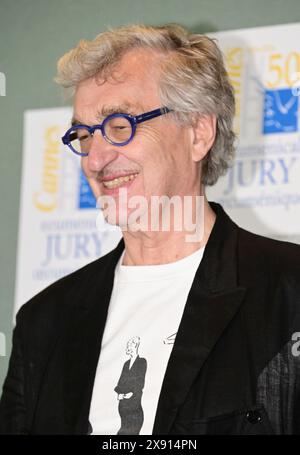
[[234, 367]]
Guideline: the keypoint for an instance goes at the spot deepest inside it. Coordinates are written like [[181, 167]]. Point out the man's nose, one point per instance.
[[101, 152]]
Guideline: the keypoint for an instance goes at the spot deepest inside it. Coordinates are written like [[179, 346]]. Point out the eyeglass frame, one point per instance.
[[134, 120]]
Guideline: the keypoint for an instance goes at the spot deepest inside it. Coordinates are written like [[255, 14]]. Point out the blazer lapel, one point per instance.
[[82, 341], [202, 324], [213, 300]]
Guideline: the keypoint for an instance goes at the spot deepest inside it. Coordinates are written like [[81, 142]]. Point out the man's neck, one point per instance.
[[153, 248]]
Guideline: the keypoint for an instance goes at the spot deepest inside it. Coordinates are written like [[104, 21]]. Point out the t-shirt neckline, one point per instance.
[[125, 273]]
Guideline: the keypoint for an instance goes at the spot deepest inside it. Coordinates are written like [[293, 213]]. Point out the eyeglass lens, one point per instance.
[[116, 129]]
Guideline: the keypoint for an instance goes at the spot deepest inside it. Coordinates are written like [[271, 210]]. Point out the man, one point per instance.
[[130, 388], [216, 310]]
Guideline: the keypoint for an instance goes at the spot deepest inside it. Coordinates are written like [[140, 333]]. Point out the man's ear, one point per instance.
[[204, 134]]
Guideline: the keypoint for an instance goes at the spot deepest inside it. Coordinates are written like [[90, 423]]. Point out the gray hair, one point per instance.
[[193, 79]]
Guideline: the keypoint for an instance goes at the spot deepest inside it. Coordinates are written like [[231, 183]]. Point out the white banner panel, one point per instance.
[[262, 191], [57, 227]]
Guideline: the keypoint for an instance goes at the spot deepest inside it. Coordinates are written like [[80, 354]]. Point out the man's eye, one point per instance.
[[83, 138]]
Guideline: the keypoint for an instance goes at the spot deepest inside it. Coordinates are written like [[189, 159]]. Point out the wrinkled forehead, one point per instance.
[[131, 87], [137, 65]]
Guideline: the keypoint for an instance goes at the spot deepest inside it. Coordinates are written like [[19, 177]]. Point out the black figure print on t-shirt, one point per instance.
[[170, 339], [130, 389]]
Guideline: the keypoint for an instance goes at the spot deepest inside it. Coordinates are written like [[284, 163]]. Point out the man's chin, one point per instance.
[[117, 221], [126, 219]]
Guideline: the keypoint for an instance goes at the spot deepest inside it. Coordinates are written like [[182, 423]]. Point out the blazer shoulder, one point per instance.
[[61, 295], [278, 256]]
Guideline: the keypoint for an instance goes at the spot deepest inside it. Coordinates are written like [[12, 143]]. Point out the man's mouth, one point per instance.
[[119, 181]]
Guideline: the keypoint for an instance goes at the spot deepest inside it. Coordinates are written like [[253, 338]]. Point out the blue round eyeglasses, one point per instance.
[[117, 129]]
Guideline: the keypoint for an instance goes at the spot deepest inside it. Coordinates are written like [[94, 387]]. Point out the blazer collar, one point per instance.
[[213, 300], [82, 340]]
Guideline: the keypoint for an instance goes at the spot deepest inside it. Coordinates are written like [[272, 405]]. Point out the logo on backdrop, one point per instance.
[[281, 109], [62, 183], [266, 168], [86, 198]]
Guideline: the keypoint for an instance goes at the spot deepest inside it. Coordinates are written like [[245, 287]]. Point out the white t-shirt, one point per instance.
[[145, 310]]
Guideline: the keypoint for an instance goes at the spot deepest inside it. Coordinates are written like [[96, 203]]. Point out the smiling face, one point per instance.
[[158, 161]]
